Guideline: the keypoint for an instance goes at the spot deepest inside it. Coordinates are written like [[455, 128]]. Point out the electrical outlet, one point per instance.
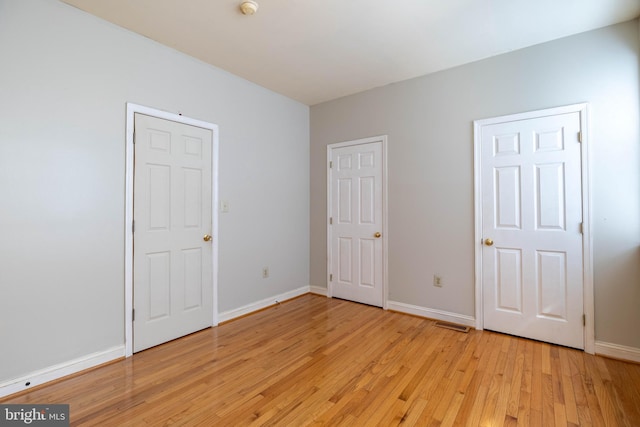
[[265, 272], [437, 281]]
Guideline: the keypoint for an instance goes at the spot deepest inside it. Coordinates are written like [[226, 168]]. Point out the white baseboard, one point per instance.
[[89, 361], [618, 351], [432, 313], [318, 290], [60, 370], [259, 305]]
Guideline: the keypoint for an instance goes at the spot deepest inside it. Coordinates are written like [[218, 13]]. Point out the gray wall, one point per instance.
[[65, 77], [430, 154]]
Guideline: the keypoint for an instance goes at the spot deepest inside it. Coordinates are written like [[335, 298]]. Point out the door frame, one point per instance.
[[132, 109], [385, 232], [587, 254]]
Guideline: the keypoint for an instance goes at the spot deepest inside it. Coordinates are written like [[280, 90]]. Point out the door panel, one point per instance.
[[509, 280], [159, 200], [345, 260], [356, 207], [173, 265], [159, 269], [193, 286], [550, 198], [367, 263], [192, 190], [532, 211], [552, 284], [507, 189], [344, 201]]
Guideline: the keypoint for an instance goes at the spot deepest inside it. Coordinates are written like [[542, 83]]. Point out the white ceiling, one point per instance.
[[318, 50]]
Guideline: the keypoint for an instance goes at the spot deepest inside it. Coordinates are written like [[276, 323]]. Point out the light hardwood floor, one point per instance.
[[320, 361]]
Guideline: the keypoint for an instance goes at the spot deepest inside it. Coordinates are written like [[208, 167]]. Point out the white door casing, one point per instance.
[[533, 259], [170, 270], [356, 233]]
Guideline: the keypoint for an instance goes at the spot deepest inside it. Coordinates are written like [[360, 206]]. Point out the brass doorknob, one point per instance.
[[206, 238], [377, 235], [488, 242]]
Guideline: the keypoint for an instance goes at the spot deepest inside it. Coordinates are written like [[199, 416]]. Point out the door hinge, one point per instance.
[[581, 228], [133, 314], [331, 277], [580, 136], [331, 220], [584, 320], [330, 165], [133, 226]]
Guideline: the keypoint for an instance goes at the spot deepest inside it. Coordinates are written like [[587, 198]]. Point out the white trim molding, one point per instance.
[[432, 313], [132, 109], [587, 245], [259, 305], [318, 290], [618, 351], [60, 370]]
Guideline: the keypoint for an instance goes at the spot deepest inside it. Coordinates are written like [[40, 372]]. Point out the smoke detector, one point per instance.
[[248, 7]]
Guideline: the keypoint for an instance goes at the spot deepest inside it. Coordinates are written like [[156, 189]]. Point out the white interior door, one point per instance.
[[532, 253], [172, 254], [356, 222]]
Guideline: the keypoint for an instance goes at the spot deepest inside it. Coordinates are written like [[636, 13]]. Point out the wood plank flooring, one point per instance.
[[319, 361]]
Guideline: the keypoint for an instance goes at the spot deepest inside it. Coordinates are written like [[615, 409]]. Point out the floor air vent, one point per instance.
[[453, 326]]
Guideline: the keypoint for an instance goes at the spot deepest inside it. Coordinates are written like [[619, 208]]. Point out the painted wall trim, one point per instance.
[[618, 351], [432, 313], [132, 109], [60, 370], [259, 305], [318, 290]]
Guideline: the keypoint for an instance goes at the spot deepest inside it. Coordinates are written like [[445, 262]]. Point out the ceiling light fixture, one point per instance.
[[248, 7]]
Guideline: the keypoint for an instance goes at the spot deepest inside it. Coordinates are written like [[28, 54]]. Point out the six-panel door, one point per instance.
[[173, 277], [532, 215], [356, 223]]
